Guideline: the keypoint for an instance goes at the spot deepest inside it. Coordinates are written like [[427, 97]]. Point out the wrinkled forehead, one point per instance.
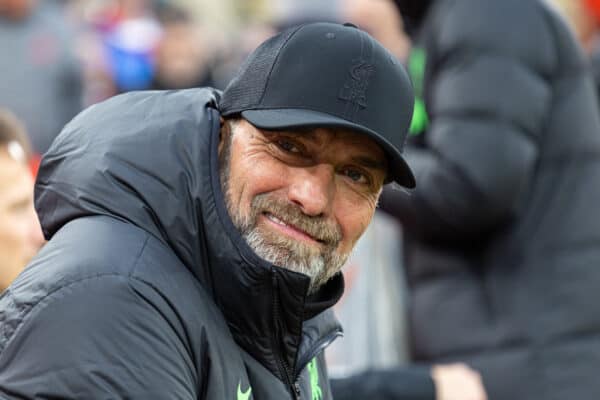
[[336, 140]]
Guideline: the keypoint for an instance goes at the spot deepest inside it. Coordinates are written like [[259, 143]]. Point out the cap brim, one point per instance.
[[399, 171]]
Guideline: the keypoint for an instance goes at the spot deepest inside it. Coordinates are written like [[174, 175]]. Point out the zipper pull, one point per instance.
[[297, 390]]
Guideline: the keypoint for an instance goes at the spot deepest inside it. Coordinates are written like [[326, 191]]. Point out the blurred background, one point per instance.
[[59, 56]]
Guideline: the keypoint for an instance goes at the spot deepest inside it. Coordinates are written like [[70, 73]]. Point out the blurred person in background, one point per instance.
[[584, 17], [151, 45], [503, 230], [20, 232], [130, 34], [183, 55], [382, 20], [40, 76]]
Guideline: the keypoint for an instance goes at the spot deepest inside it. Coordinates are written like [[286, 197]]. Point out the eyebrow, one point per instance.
[[365, 161], [299, 133], [369, 162]]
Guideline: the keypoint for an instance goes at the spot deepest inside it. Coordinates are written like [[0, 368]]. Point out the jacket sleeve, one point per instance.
[[104, 337], [487, 98], [410, 383]]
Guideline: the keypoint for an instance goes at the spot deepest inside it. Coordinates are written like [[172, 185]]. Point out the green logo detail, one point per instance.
[[416, 69], [313, 372], [243, 395]]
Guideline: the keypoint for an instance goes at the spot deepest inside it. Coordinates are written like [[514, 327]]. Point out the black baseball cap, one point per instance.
[[327, 75]]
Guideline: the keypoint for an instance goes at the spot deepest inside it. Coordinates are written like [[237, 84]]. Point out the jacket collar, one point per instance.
[[171, 190]]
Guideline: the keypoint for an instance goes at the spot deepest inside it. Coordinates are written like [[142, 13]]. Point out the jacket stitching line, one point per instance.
[[138, 256]]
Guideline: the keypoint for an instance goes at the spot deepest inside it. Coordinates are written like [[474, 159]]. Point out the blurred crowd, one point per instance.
[[61, 56], [58, 57]]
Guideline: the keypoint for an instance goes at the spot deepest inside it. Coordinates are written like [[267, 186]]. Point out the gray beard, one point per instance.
[[320, 265]]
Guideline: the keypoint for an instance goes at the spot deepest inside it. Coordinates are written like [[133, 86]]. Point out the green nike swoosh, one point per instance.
[[241, 395]]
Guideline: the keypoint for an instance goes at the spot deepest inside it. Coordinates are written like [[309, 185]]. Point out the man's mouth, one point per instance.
[[291, 228]]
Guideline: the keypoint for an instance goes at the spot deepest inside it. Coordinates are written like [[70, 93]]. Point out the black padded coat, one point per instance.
[[503, 229]]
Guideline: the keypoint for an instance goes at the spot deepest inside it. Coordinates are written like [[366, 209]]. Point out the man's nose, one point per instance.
[[313, 189]]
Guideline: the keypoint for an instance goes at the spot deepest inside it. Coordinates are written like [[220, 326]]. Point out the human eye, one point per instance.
[[357, 175], [289, 145]]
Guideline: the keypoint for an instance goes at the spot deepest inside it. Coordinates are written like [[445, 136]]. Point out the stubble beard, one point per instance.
[[319, 262]]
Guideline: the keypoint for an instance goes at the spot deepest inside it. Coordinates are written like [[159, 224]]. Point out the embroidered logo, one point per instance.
[[243, 395], [315, 388], [354, 90]]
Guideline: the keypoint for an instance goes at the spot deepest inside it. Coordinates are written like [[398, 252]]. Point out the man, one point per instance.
[[503, 233], [184, 56], [41, 77], [196, 239], [20, 232]]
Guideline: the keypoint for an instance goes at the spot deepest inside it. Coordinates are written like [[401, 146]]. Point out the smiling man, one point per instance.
[[301, 199], [196, 238]]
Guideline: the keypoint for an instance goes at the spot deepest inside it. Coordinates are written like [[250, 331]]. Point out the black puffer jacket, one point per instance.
[[146, 290], [504, 227]]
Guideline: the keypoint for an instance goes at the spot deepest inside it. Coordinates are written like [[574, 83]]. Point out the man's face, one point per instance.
[[301, 199], [20, 232]]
